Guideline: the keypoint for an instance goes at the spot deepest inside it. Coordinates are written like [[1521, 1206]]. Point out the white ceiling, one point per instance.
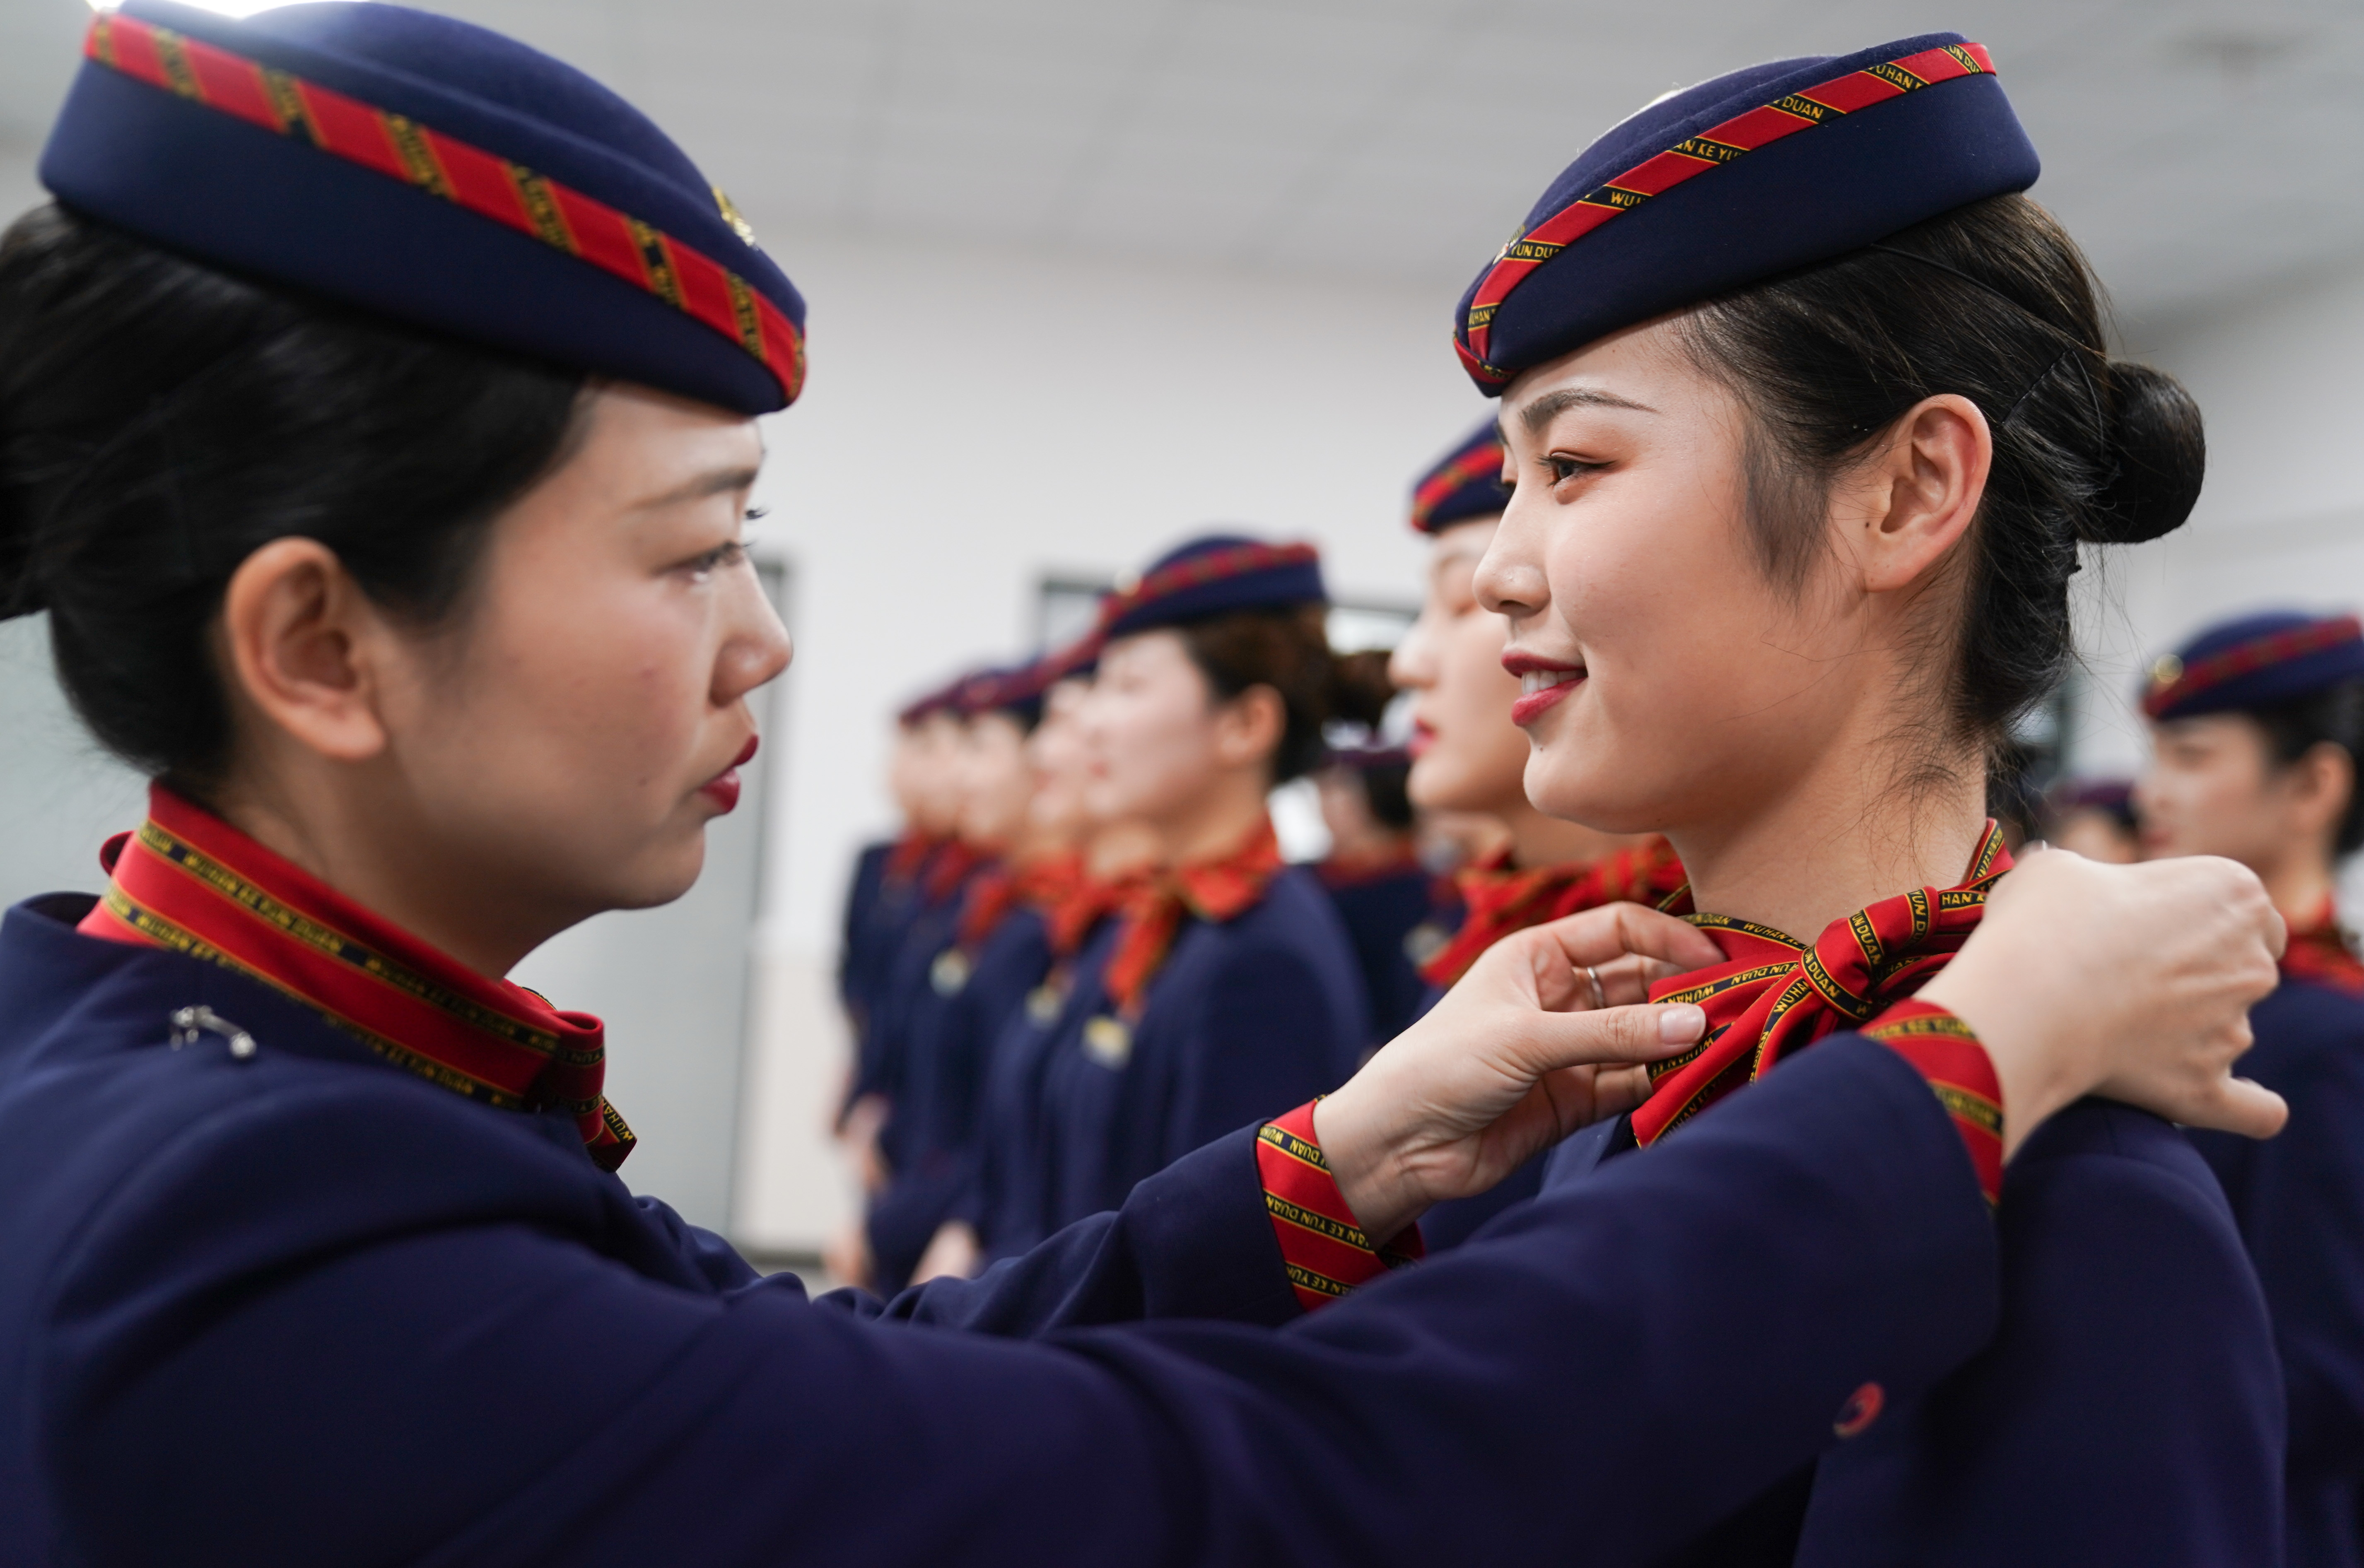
[[2199, 147]]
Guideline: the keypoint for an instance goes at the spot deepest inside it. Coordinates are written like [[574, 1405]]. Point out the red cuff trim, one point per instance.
[[1945, 1051], [1322, 1244]]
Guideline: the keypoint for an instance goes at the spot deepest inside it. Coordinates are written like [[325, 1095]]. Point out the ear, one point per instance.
[[1903, 510], [302, 641], [1248, 728], [2320, 783]]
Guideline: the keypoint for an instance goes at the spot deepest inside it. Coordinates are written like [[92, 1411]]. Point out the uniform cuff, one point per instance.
[[1321, 1244], [1945, 1051]]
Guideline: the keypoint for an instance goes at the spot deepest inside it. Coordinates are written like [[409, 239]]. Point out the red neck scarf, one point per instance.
[[1499, 901], [949, 868], [910, 852], [1000, 888], [1775, 995], [1216, 890], [2319, 951], [1080, 910], [192, 882]]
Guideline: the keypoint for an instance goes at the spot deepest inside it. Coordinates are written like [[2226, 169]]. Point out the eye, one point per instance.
[[1563, 468], [722, 555], [757, 513]]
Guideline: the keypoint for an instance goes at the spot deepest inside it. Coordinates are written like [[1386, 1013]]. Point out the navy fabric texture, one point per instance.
[[1245, 1019], [2278, 681], [308, 1307], [2299, 1199], [883, 1063], [950, 1034], [205, 183], [1808, 197], [857, 953], [1270, 587], [2130, 1410], [1380, 915]]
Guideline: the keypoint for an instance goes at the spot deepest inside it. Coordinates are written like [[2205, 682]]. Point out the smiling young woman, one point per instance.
[[2257, 724], [1788, 551], [376, 421]]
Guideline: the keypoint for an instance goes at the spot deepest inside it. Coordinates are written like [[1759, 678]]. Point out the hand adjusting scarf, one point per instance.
[[1501, 900], [190, 882], [1215, 890], [1775, 995]]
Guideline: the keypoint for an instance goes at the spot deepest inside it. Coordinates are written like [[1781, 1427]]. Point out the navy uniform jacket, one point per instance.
[[1005, 1189], [886, 1046], [1380, 913], [2299, 1203], [856, 955], [868, 964], [950, 1034], [308, 1307], [1245, 1019], [2130, 1411]]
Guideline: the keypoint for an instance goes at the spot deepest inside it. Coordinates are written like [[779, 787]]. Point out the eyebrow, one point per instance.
[[714, 482], [1551, 405]]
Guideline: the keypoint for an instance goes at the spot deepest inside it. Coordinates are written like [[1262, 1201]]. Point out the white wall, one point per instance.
[[975, 418], [2281, 519]]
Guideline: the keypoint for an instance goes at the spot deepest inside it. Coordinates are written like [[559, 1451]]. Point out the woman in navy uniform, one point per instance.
[[1373, 872], [398, 539], [1468, 757], [1227, 980], [992, 956], [1809, 412], [2255, 725]]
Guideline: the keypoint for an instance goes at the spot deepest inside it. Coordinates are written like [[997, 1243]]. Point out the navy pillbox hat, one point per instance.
[[1735, 180], [432, 171], [2255, 661], [1465, 482], [1211, 576]]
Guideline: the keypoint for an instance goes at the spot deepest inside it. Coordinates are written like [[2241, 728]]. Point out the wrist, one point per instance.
[[2031, 1054], [1364, 1169]]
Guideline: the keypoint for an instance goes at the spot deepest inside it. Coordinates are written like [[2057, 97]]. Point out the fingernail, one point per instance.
[[1680, 1023]]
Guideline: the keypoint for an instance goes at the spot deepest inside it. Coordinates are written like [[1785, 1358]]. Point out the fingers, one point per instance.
[[1613, 930], [1646, 1033], [2241, 1106]]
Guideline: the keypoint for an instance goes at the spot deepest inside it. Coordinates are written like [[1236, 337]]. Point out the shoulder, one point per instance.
[[2099, 1146], [2306, 1031]]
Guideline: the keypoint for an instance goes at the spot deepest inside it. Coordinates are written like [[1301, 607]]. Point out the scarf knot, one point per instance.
[[1774, 995], [2321, 950], [1215, 890]]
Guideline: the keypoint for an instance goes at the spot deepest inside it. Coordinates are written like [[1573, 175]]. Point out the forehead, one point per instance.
[[2213, 729], [1641, 364], [1143, 651]]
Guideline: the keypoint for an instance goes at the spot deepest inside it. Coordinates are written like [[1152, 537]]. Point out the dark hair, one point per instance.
[[1287, 648], [160, 420], [1992, 302], [2332, 716], [1360, 692]]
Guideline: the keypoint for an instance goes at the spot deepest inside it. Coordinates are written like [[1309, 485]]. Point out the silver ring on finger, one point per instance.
[[1599, 997]]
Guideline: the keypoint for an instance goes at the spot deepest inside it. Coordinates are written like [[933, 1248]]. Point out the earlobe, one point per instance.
[[294, 631]]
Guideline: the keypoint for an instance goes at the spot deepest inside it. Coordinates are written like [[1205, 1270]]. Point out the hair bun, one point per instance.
[[1359, 688], [2162, 456], [20, 594]]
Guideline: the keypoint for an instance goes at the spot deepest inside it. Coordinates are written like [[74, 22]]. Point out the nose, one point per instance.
[[1509, 579], [756, 648], [1412, 665]]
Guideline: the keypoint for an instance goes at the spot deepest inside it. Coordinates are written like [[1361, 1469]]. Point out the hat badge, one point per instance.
[[731, 214], [2167, 671]]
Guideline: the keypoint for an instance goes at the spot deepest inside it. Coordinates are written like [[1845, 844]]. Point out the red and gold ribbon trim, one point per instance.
[[1468, 469], [190, 882], [1321, 1242], [1945, 1051], [2246, 658]]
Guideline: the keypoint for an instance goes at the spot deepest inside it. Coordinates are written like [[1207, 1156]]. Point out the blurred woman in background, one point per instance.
[[2256, 727], [2095, 818], [1227, 982], [1469, 760]]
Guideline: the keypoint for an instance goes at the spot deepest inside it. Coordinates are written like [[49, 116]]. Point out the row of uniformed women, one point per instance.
[[376, 420]]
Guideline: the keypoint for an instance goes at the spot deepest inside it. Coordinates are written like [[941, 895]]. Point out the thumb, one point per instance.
[[2242, 1105], [1548, 1041]]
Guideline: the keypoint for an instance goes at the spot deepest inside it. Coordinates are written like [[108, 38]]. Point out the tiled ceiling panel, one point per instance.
[[2197, 147]]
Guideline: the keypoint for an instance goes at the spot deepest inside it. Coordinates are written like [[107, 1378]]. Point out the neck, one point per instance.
[[1540, 840], [372, 851], [2298, 883], [1215, 821], [1033, 845], [1839, 839], [1117, 849]]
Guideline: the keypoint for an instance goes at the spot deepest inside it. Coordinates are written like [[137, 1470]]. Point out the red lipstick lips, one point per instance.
[[722, 789], [1543, 683]]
